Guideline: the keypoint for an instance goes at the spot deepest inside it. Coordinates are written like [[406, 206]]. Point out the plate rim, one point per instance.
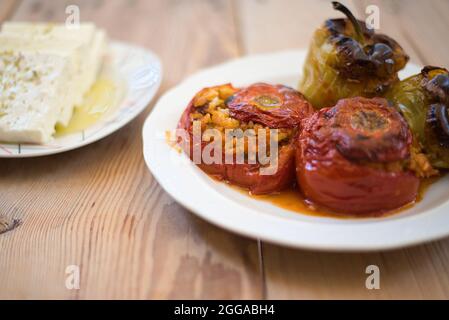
[[220, 218]]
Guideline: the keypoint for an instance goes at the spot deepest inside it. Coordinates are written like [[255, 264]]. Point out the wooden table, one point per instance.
[[99, 207]]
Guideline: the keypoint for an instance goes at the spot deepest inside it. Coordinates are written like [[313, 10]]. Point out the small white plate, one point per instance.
[[140, 72], [232, 210]]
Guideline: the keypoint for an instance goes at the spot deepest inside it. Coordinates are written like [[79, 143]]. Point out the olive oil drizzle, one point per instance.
[[100, 100]]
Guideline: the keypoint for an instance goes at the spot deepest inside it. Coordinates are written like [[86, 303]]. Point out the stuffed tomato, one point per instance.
[[356, 158], [242, 125]]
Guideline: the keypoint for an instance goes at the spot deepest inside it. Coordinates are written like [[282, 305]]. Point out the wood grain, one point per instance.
[[99, 208], [415, 273], [269, 25], [7, 8]]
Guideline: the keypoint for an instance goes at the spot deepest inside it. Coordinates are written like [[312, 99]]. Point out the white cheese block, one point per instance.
[[32, 89], [84, 32], [89, 41], [64, 64]]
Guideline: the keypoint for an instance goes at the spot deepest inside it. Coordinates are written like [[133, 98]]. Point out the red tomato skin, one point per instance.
[[330, 180], [244, 106], [244, 175]]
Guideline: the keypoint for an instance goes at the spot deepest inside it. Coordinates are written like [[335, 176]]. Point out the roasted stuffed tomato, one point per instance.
[[356, 158], [237, 115]]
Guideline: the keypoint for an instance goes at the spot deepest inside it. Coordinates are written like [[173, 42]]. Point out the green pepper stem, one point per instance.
[[355, 23]]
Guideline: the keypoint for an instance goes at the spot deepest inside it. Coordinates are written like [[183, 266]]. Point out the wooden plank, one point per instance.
[[420, 26], [7, 8], [415, 273], [279, 25], [99, 208], [425, 25], [419, 272]]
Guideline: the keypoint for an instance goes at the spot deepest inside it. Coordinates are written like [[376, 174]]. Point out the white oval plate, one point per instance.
[[232, 210], [139, 70]]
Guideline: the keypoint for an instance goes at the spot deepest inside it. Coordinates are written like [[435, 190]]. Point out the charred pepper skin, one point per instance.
[[423, 100], [346, 59], [355, 178]]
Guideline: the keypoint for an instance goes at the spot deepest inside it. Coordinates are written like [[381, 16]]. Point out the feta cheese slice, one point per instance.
[[31, 93], [87, 39], [45, 70]]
